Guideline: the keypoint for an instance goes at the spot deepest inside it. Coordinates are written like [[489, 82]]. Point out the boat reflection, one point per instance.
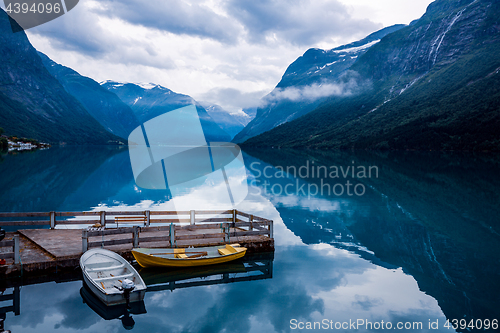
[[120, 311], [251, 267]]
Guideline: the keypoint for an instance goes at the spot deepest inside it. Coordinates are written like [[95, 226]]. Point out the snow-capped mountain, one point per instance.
[[433, 85], [150, 100], [232, 123], [33, 103], [315, 68], [103, 105]]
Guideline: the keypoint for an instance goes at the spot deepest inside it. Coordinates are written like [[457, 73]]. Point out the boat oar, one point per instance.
[[201, 254], [186, 253]]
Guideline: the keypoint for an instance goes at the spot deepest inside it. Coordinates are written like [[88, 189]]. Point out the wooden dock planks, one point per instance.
[[50, 249]]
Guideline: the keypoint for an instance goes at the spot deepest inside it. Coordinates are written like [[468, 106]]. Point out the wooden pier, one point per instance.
[[252, 267], [46, 250]]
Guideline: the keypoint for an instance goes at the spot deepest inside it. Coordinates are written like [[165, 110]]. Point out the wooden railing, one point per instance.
[[238, 225], [15, 254], [107, 218]]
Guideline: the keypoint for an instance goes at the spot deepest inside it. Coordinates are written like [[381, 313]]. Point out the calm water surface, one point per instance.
[[420, 243]]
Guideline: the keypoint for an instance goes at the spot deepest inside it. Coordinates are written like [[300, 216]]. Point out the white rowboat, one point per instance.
[[111, 278]]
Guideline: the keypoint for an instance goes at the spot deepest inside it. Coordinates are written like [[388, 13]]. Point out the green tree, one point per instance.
[[4, 144]]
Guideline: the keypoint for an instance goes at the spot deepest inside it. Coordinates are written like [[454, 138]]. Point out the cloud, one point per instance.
[[232, 99], [366, 303], [299, 22], [178, 17], [83, 32], [344, 87], [229, 53]]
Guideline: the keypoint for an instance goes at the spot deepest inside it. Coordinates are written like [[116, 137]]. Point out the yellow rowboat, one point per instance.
[[200, 256]]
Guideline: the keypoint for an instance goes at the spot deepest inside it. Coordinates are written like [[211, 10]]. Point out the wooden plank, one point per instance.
[[257, 268], [6, 255], [6, 309], [213, 212], [181, 212], [130, 219], [111, 242], [154, 239], [243, 214], [113, 213], [262, 222], [24, 214], [108, 213], [202, 236], [119, 231], [8, 297], [7, 223], [78, 222], [170, 220], [215, 219], [248, 224], [7, 243], [247, 233], [258, 227], [200, 226], [153, 229], [180, 285], [77, 213]]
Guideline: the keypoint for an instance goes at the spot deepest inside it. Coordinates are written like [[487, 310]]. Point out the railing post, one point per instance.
[[172, 235], [227, 229], [234, 216], [271, 229], [17, 254], [136, 236], [103, 218], [250, 219], [84, 241], [192, 222], [148, 218], [52, 220]]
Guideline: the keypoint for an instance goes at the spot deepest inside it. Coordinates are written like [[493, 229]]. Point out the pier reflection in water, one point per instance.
[[14, 298], [251, 268]]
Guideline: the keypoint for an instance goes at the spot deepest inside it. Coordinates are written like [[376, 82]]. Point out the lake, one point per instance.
[[363, 240]]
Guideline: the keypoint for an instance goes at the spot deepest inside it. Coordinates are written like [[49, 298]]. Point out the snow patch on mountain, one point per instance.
[[147, 86], [357, 48], [113, 83]]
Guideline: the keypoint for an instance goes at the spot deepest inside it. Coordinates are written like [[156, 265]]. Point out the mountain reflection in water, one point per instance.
[[433, 214], [422, 242]]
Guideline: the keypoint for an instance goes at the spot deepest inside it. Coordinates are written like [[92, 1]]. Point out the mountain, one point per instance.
[[307, 77], [434, 85], [33, 103], [231, 123], [148, 101], [114, 115]]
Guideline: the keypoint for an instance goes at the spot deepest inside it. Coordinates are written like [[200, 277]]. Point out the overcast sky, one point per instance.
[[228, 52]]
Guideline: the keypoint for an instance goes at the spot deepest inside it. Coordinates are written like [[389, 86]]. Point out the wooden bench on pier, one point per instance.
[[131, 219]]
